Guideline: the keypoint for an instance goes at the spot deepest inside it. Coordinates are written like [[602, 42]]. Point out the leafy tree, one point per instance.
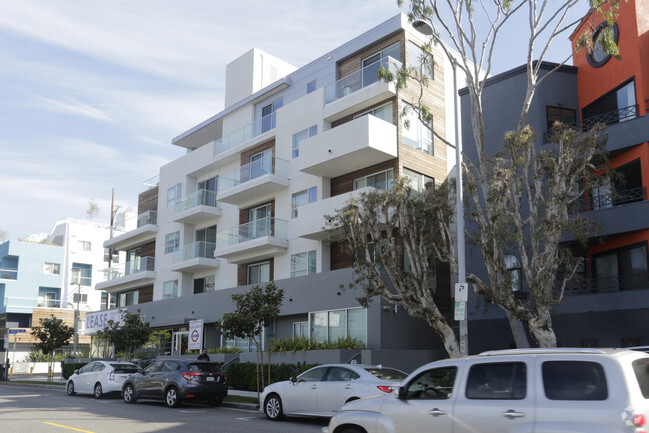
[[255, 309], [52, 334], [127, 334], [93, 209]]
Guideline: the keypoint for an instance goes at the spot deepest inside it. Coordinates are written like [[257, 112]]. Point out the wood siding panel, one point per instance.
[[340, 257], [245, 156], [148, 200], [145, 295]]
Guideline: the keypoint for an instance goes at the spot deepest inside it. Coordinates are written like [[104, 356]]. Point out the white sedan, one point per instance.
[[323, 390], [100, 377]]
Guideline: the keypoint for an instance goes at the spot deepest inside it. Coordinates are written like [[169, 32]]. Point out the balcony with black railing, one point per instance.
[[609, 118], [617, 283], [617, 198]]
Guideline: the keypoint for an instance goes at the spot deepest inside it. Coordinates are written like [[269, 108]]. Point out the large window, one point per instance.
[[209, 186], [415, 133], [381, 180], [258, 273], [617, 105], [567, 116], [52, 268], [205, 284], [174, 194], [261, 163], [333, 324], [172, 242], [130, 298], [622, 269], [301, 198], [300, 137], [268, 113], [170, 289], [418, 181], [81, 274], [384, 112], [303, 264], [373, 63], [420, 60]]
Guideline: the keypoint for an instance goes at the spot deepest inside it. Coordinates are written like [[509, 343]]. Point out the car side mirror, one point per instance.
[[293, 379], [76, 371], [400, 393], [140, 370]]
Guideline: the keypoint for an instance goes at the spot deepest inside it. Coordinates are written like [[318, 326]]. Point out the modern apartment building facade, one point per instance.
[[247, 203], [607, 304]]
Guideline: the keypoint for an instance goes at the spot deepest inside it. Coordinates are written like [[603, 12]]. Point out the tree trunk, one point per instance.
[[448, 337], [257, 375], [518, 331], [541, 329]]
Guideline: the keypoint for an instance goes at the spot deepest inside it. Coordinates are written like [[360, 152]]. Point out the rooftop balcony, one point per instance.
[[195, 257], [256, 240], [264, 176], [13, 304], [359, 90], [363, 142], [197, 207], [129, 275], [248, 136], [146, 229], [310, 222]]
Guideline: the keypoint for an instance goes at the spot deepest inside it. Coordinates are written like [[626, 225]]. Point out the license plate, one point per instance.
[[209, 379]]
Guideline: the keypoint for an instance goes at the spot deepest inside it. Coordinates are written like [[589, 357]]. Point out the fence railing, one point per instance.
[[130, 268], [248, 132], [200, 249], [252, 230], [248, 172], [581, 286], [202, 197]]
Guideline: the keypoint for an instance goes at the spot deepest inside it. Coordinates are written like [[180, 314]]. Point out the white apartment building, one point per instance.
[[246, 204]]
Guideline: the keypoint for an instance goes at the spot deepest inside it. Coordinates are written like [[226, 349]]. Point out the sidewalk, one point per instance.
[[58, 382]]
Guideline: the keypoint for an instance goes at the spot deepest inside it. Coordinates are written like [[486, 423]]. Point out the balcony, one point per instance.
[[194, 257], [359, 90], [27, 305], [310, 222], [8, 274], [605, 201], [360, 143], [197, 207], [264, 176], [129, 275], [248, 136], [256, 240], [123, 239], [583, 286]]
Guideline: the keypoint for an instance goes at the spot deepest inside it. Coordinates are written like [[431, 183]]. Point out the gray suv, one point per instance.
[[521, 390]]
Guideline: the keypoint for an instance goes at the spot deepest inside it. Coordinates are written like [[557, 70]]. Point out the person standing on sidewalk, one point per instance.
[[204, 356]]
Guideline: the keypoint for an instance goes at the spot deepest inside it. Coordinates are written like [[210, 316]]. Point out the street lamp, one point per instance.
[[426, 29]]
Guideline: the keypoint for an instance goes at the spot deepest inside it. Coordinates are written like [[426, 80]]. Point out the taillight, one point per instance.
[[385, 388], [638, 420], [111, 375], [191, 375]]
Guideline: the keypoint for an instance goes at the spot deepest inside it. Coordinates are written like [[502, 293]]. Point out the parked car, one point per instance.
[[322, 390], [176, 380], [526, 390], [100, 377]]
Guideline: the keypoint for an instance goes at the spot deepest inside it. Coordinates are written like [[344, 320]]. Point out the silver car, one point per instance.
[[528, 390], [322, 390], [100, 377]]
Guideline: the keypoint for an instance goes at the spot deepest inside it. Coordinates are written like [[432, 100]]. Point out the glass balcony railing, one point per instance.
[[246, 133], [130, 268], [152, 182], [253, 230], [148, 217], [359, 79], [202, 197], [200, 249], [263, 166], [41, 301], [8, 274]]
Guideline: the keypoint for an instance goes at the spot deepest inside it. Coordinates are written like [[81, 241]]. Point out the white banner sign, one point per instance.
[[98, 320], [195, 334]]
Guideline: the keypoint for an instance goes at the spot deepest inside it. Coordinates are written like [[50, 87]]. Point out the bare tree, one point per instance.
[[93, 209], [4, 235]]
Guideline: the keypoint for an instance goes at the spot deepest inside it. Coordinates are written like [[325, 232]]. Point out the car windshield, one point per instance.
[[124, 368], [387, 373], [204, 367]]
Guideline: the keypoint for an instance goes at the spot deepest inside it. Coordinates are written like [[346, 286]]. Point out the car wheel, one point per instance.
[[99, 392], [70, 388], [171, 397], [129, 393], [215, 402], [273, 407]]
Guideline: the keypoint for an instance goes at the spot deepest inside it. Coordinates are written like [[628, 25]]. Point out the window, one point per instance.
[[172, 242], [52, 268], [621, 269], [618, 105], [514, 269], [300, 137], [81, 274], [383, 112], [205, 284], [130, 298], [301, 198], [380, 180], [303, 264], [208, 237], [420, 60], [497, 381], [314, 375], [108, 301], [310, 87], [574, 380], [174, 194], [432, 384], [85, 245], [111, 255], [208, 190], [260, 223], [414, 133], [170, 289], [332, 324], [597, 57], [259, 273], [261, 163], [300, 329], [418, 181], [80, 297], [341, 374], [268, 113], [567, 116], [373, 63]]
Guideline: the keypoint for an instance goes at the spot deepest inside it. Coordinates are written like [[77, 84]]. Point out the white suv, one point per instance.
[[521, 390]]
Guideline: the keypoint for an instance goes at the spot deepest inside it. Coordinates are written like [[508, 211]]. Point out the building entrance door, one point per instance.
[[179, 342]]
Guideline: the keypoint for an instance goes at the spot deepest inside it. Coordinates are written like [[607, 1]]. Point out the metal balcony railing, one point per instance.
[[581, 286], [605, 201], [610, 117]]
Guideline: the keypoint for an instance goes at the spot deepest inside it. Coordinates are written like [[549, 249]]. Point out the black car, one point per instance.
[[176, 380]]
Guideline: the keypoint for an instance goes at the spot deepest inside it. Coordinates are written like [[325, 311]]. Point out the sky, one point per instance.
[[93, 91]]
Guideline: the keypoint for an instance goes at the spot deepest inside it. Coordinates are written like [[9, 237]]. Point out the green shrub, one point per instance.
[[241, 376], [68, 368], [303, 344]]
